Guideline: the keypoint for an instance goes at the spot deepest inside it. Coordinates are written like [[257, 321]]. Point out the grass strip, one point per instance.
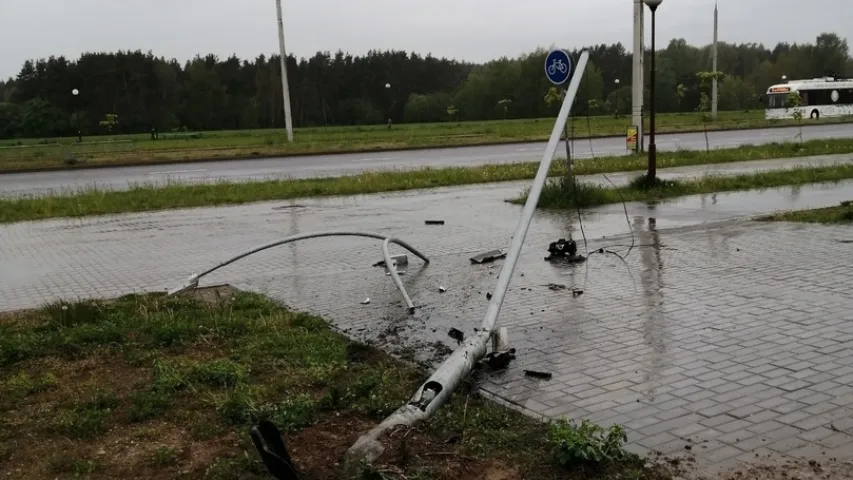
[[141, 198], [149, 386], [839, 215], [562, 194], [245, 144]]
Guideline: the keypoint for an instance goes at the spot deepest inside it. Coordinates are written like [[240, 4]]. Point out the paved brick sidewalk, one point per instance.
[[731, 337]]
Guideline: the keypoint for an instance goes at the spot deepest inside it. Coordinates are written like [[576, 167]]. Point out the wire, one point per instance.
[[618, 190]]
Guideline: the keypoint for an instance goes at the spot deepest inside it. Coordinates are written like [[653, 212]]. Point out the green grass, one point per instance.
[[840, 215], [142, 198], [560, 194], [181, 379], [139, 149]]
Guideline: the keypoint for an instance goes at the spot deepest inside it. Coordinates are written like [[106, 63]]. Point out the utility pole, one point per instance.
[[637, 74], [288, 119], [714, 69]]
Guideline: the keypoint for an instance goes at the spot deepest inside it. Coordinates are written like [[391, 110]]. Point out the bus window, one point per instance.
[[777, 100]]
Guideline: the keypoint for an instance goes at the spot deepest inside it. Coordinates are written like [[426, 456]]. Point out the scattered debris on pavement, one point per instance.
[[434, 222], [489, 256], [441, 289], [499, 360], [566, 250], [577, 292], [536, 374], [366, 301], [556, 286], [456, 334], [488, 295]]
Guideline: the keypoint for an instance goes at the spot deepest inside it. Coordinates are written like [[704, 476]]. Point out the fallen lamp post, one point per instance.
[[390, 262], [437, 389]]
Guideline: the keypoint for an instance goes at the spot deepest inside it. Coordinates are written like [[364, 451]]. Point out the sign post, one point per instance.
[[631, 140], [558, 70]]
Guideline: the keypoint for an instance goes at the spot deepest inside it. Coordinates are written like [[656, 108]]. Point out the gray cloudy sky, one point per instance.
[[475, 30]]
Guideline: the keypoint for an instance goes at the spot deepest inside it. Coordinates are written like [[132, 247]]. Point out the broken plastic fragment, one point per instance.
[[366, 301], [441, 289]]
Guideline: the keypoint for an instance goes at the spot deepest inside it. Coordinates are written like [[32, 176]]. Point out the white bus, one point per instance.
[[821, 97]]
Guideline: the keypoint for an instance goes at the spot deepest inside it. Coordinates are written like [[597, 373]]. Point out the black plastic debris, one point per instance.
[[499, 360], [434, 222], [487, 257], [270, 446], [556, 286], [488, 295], [566, 250], [541, 375], [456, 334], [577, 292]]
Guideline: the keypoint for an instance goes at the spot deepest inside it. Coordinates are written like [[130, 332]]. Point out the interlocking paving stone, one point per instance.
[[723, 332]]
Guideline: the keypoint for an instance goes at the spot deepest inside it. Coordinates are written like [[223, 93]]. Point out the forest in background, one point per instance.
[[133, 92]]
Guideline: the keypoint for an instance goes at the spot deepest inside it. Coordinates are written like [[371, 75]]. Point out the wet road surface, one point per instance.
[[348, 164], [730, 336]]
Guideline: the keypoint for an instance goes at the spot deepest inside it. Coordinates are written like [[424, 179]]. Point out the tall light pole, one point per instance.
[[390, 104], [651, 176], [76, 94], [637, 73], [714, 97], [288, 119], [616, 82]]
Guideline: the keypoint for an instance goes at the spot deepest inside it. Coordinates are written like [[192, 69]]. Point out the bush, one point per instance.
[[587, 443]]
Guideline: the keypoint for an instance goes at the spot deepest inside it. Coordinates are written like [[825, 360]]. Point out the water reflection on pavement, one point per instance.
[[725, 335]]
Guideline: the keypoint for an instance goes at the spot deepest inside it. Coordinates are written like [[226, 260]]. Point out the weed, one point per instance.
[[559, 196], [841, 214], [587, 443], [165, 456], [148, 404]]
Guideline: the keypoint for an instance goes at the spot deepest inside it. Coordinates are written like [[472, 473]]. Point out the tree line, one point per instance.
[[132, 91]]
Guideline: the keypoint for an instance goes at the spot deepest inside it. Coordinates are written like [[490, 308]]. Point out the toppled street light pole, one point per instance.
[[438, 388]]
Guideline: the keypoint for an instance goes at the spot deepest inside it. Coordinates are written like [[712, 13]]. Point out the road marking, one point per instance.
[[176, 171]]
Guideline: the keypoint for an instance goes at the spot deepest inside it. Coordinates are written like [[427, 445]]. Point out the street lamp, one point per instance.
[[76, 92], [388, 96], [784, 78], [617, 96], [652, 173]]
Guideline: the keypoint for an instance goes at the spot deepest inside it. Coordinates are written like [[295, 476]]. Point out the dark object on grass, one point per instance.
[[564, 250], [488, 257], [270, 446], [434, 222], [535, 374], [456, 334], [499, 360]]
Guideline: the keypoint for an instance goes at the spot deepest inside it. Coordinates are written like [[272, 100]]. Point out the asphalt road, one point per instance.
[[346, 164]]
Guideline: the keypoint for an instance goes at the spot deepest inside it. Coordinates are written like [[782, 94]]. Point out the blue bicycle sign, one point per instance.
[[558, 67]]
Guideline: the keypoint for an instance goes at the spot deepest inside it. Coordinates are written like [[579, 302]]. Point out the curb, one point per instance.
[[234, 158]]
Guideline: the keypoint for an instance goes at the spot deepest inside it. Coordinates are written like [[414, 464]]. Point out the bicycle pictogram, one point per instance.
[[557, 65]]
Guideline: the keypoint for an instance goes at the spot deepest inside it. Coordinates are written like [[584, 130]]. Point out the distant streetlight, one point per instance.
[[76, 93], [652, 173], [388, 89], [617, 96], [285, 86], [784, 78]]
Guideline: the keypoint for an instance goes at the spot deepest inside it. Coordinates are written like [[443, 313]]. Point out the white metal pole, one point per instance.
[[637, 75], [714, 69], [288, 119]]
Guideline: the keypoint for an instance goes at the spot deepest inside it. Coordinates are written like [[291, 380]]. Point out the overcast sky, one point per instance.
[[475, 30]]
